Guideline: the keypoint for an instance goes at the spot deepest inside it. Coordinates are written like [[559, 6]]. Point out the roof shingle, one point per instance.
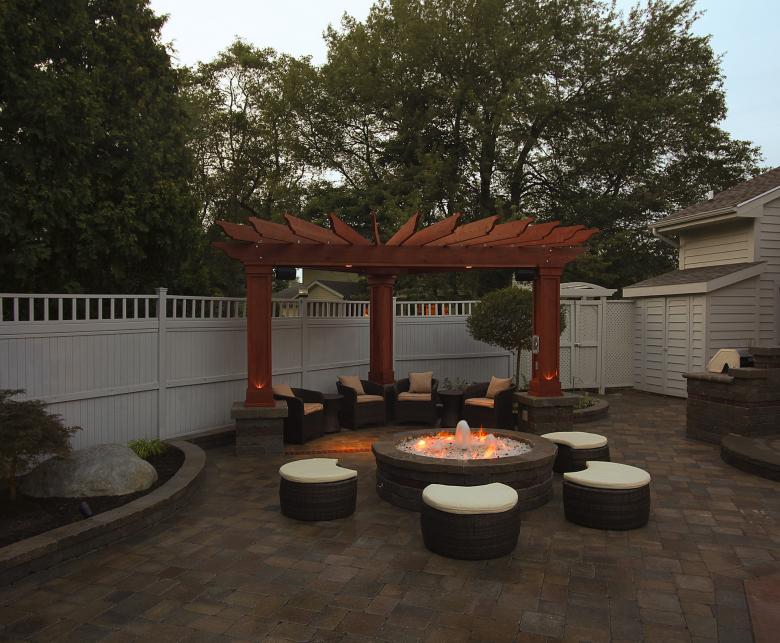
[[693, 275], [732, 197]]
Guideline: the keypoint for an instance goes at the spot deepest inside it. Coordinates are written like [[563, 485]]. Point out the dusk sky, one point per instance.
[[743, 32]]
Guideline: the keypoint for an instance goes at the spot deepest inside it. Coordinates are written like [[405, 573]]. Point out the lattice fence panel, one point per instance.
[[618, 349]]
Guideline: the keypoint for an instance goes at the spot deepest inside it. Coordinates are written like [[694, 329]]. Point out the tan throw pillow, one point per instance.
[[420, 382], [353, 382], [283, 389], [497, 385]]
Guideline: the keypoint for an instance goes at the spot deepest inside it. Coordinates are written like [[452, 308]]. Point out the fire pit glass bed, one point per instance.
[[408, 462]]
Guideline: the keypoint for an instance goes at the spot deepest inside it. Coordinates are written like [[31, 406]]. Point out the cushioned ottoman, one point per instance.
[[607, 495], [472, 523], [575, 448], [317, 489]]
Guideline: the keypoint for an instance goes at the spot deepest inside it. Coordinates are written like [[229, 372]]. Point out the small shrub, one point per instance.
[[28, 432], [585, 401], [145, 449]]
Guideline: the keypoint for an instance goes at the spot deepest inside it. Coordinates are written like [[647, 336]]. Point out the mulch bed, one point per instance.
[[31, 516]]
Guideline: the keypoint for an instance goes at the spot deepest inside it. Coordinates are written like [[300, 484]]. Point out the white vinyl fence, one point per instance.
[[114, 366]]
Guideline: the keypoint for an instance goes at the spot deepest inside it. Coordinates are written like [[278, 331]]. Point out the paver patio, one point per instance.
[[230, 567]]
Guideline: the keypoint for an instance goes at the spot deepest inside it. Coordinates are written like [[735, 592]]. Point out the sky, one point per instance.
[[744, 33]]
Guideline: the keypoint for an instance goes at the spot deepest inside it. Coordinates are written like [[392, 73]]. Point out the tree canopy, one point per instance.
[[95, 173], [559, 110]]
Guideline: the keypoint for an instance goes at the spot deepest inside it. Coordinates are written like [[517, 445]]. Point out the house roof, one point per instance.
[[694, 280], [731, 198], [346, 289]]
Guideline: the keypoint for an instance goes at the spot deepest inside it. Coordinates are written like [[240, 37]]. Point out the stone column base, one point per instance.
[[541, 415], [259, 429]]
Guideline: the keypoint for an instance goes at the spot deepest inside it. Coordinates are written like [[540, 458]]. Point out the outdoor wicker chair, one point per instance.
[[363, 406], [576, 448], [482, 410], [419, 408], [305, 413]]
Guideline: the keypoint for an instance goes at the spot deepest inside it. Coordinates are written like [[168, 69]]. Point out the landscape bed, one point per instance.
[[28, 516]]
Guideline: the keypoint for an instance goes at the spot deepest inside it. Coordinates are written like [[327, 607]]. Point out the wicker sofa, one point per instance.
[[494, 413], [362, 410], [305, 415], [419, 408]]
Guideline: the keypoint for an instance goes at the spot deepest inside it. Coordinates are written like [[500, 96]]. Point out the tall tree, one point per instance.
[[558, 109], [94, 168]]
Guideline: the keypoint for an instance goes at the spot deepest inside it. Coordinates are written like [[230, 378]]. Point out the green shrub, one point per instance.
[[27, 433], [145, 449]]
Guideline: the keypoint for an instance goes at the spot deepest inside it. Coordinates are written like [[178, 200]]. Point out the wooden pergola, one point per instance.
[[544, 248]]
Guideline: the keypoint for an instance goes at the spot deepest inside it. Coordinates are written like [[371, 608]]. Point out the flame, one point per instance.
[[420, 444]]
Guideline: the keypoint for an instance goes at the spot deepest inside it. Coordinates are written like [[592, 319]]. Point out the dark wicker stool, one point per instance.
[[317, 489], [607, 495], [477, 535], [576, 448]]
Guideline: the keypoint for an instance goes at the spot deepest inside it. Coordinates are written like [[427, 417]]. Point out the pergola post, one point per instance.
[[546, 364], [380, 318], [259, 282]]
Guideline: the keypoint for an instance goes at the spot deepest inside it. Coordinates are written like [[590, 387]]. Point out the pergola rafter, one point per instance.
[[446, 245]]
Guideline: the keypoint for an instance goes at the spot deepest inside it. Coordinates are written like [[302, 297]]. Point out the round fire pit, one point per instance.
[[401, 476]]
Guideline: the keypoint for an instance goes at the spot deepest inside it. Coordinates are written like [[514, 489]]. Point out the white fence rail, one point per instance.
[[111, 364]]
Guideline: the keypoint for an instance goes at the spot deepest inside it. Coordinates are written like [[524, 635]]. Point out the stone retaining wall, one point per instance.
[[745, 401], [76, 539]]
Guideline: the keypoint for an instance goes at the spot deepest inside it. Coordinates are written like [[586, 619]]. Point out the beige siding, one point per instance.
[[698, 356], [733, 316], [717, 244], [768, 249], [316, 292]]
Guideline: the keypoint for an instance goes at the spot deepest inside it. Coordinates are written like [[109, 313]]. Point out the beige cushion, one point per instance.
[[577, 439], [282, 389], [353, 382], [311, 407], [609, 475], [490, 498], [414, 396], [480, 401], [362, 399], [497, 385], [314, 470], [420, 382]]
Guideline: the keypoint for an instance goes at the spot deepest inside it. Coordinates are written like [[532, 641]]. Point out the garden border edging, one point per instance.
[[599, 409], [45, 550]]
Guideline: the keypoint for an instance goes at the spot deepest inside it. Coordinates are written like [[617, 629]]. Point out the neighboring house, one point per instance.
[[726, 292], [325, 285]]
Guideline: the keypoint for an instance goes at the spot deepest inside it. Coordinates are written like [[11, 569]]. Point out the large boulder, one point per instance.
[[101, 470]]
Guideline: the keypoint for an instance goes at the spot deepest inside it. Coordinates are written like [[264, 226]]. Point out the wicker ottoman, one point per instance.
[[472, 523], [317, 489], [607, 495], [575, 448]]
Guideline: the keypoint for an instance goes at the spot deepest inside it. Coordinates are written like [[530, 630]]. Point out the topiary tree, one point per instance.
[[504, 318], [28, 432]]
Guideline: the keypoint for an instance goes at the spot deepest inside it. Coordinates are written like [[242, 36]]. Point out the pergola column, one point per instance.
[[546, 364], [380, 318], [259, 282]]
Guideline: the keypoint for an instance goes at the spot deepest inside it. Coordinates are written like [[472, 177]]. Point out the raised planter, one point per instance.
[[76, 539], [401, 477], [598, 410]]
